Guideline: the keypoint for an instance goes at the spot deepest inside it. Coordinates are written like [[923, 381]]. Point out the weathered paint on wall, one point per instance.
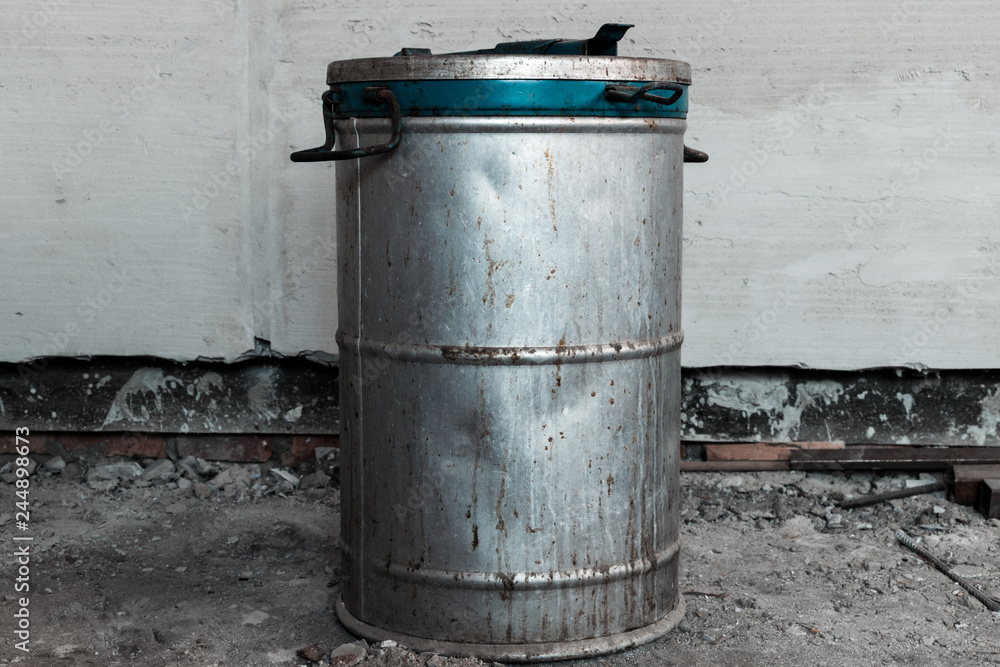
[[157, 396], [845, 220], [885, 407], [879, 407]]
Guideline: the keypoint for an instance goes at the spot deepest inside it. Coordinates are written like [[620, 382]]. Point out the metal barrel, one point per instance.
[[509, 305]]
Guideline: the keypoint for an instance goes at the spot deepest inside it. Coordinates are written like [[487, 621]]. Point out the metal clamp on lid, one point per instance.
[[604, 43]]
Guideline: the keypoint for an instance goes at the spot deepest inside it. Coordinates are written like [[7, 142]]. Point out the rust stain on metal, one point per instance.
[[552, 198], [491, 267], [503, 490], [508, 586]]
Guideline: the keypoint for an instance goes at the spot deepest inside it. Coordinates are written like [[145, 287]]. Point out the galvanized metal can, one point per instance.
[[509, 289]]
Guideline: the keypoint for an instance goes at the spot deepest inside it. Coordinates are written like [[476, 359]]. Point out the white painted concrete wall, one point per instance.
[[847, 218]]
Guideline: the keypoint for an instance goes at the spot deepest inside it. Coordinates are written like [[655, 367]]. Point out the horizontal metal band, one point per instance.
[[510, 125], [522, 581], [540, 651], [456, 66], [509, 356]]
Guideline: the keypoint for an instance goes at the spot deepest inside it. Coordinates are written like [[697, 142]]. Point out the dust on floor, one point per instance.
[[200, 563]]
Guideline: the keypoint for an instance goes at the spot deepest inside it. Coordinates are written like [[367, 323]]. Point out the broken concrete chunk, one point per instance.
[[311, 653], [317, 480], [204, 468], [347, 655], [285, 476], [237, 475], [188, 467], [127, 470], [730, 482], [56, 464], [160, 470], [108, 477]]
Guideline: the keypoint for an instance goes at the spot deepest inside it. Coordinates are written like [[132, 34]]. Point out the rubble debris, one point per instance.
[[235, 480], [316, 480], [311, 653], [347, 655], [55, 465], [206, 468], [792, 573], [108, 477], [286, 476], [188, 468], [159, 470]]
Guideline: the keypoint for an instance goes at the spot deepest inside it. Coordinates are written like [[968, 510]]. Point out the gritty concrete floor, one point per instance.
[[141, 572]]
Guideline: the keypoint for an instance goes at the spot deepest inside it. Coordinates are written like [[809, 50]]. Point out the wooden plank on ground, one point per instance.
[[732, 466], [892, 458], [989, 498], [763, 451], [967, 479]]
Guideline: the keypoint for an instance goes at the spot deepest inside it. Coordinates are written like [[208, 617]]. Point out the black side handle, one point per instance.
[[621, 93], [325, 153]]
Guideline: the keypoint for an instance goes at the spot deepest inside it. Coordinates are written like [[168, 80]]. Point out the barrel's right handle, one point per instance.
[[325, 153], [621, 93], [692, 155]]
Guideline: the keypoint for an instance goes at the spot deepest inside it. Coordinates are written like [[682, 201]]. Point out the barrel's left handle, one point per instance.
[[325, 153]]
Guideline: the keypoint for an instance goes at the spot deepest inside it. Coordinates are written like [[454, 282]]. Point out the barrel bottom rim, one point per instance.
[[530, 652]]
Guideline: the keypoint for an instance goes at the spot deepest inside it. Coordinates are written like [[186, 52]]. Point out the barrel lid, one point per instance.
[[593, 59]]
